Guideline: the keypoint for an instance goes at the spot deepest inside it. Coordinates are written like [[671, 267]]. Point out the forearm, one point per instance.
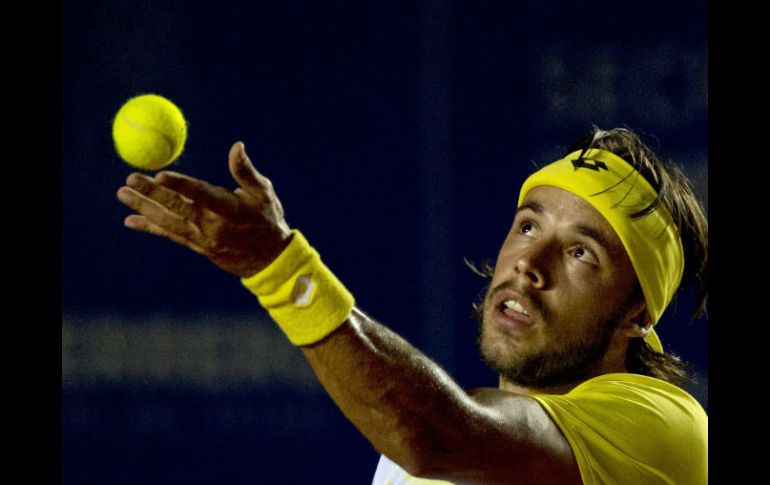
[[404, 403], [407, 406]]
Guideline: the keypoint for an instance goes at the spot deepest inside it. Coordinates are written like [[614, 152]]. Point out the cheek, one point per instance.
[[574, 299], [599, 286], [584, 306]]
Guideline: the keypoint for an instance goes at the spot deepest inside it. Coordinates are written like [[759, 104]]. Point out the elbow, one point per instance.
[[426, 444], [418, 463], [409, 453], [423, 454]]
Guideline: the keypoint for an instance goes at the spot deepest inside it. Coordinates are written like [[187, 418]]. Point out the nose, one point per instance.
[[531, 266]]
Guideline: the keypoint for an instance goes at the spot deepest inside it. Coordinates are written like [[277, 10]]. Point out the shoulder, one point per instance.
[[635, 420], [642, 395], [629, 401], [637, 390]]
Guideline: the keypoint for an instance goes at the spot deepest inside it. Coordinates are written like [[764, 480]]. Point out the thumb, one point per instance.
[[243, 170]]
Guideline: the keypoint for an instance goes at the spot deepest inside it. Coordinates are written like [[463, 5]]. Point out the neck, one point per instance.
[[613, 362], [506, 385]]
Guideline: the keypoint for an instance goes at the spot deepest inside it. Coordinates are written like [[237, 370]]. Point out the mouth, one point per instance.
[[514, 307], [512, 311]]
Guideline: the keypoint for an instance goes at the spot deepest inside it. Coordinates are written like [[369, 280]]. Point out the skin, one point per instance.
[[406, 405], [561, 258]]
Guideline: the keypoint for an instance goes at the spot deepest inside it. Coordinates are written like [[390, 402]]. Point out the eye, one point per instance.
[[584, 254], [526, 227]]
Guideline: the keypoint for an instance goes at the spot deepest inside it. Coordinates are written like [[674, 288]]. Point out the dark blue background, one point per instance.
[[396, 134]]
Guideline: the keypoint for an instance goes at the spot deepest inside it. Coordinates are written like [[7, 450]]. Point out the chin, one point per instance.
[[497, 351]]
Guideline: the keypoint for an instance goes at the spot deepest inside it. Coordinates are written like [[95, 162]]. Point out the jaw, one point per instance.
[[540, 362], [614, 359], [501, 349]]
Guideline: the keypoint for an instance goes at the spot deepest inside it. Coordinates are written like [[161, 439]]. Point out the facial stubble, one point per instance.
[[549, 367]]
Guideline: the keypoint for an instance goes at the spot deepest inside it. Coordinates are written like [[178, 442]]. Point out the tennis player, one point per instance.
[[602, 241]]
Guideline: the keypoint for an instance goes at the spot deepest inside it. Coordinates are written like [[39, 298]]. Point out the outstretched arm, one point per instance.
[[417, 415], [405, 404]]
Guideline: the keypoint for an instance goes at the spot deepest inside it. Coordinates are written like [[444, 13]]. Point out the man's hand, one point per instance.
[[240, 231]]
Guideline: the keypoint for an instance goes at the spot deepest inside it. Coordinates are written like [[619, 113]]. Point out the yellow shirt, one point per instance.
[[623, 429], [633, 429]]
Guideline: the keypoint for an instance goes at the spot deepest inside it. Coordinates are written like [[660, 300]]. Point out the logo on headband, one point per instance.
[[581, 163]]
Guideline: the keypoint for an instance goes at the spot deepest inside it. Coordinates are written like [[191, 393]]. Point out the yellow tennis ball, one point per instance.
[[149, 132]]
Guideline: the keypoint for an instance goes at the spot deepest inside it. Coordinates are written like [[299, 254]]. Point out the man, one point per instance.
[[601, 242]]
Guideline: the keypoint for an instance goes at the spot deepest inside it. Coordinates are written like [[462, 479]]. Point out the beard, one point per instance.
[[549, 367]]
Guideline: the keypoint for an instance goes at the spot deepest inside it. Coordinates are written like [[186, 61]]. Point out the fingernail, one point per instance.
[[137, 182], [124, 195]]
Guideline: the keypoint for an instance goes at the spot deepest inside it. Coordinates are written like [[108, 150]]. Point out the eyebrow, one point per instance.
[[592, 233], [587, 231], [533, 206]]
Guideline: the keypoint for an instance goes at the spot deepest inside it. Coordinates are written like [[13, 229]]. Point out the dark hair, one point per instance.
[[675, 192]]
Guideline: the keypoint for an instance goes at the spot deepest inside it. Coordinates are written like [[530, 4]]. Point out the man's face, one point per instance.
[[562, 282]]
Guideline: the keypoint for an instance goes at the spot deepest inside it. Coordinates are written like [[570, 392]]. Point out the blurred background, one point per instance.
[[397, 135]]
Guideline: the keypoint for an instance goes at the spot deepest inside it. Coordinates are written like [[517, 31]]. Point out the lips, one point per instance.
[[512, 310]]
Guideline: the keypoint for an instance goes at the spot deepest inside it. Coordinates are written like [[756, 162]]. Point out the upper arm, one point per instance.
[[507, 439]]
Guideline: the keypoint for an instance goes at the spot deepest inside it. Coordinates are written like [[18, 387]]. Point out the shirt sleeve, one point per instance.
[[633, 429]]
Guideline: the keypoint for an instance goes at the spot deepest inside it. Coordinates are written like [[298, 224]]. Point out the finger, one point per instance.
[[215, 198], [173, 201], [158, 214], [142, 224], [258, 201], [243, 170]]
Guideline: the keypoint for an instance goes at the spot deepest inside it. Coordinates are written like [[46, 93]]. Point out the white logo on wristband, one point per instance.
[[303, 290]]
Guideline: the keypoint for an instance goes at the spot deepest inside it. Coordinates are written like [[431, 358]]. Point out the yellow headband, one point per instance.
[[614, 188]]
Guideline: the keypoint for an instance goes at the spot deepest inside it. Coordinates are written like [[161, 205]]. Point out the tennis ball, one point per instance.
[[149, 132]]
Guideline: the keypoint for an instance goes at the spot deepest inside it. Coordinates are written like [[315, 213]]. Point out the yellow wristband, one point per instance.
[[301, 294]]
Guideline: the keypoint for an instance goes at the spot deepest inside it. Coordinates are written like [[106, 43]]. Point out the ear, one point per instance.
[[637, 322]]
